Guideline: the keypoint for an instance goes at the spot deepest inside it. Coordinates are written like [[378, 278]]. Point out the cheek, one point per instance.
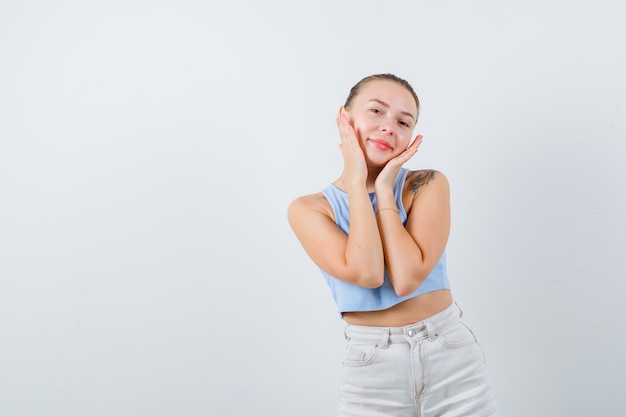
[[360, 131], [404, 141]]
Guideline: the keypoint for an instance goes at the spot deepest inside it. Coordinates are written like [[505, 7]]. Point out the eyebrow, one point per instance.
[[387, 106]]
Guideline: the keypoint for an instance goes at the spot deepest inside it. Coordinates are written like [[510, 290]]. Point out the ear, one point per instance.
[[345, 112]]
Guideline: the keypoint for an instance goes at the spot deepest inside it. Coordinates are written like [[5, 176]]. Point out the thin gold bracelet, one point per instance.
[[388, 208]]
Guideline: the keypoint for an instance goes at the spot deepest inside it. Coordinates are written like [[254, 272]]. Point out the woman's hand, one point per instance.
[[355, 168], [385, 179]]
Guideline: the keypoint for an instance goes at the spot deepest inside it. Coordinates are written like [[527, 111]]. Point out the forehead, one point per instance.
[[391, 92]]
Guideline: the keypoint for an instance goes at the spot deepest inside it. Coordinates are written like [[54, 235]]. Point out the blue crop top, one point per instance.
[[350, 297]]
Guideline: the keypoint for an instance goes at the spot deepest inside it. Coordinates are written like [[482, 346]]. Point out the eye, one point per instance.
[[404, 124], [376, 111]]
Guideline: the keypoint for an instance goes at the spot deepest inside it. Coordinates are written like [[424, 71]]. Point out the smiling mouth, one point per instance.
[[381, 144]]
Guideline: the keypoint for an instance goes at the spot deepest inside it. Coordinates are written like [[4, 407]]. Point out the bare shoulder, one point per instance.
[[306, 205], [425, 178], [425, 184]]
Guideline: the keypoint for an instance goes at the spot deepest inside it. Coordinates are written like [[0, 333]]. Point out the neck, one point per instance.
[[372, 174]]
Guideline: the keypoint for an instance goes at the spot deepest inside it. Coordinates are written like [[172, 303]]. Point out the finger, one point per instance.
[[416, 142], [342, 121], [342, 128], [347, 131], [409, 152]]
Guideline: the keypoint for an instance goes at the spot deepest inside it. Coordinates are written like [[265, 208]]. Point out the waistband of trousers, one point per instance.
[[425, 329]]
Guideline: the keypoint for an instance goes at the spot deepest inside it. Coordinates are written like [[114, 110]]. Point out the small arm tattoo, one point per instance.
[[417, 179]]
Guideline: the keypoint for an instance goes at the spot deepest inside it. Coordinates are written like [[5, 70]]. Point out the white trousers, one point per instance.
[[434, 368]]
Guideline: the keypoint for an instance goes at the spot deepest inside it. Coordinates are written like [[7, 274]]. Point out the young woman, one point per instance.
[[378, 234]]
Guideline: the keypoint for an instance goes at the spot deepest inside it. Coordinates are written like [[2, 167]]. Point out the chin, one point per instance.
[[378, 163], [379, 159]]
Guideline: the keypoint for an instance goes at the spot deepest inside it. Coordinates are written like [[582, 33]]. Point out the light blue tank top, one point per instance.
[[350, 297]]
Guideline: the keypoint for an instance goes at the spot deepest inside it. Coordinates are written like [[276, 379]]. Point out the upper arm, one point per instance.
[[319, 235], [428, 220]]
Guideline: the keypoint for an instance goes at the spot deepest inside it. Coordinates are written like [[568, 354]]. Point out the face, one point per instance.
[[383, 115]]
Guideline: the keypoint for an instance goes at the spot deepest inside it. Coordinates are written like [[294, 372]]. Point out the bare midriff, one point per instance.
[[405, 313]]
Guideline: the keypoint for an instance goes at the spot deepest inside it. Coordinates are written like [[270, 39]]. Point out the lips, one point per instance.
[[381, 144]]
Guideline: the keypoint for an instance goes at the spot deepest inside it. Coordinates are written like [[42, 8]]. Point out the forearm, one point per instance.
[[404, 259], [364, 249]]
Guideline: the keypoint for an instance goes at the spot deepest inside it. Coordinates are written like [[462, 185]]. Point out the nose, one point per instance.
[[386, 127]]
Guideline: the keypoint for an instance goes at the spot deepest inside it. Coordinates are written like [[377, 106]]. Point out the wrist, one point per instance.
[[389, 209], [385, 195]]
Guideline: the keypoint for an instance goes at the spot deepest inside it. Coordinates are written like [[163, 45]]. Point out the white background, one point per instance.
[[149, 150]]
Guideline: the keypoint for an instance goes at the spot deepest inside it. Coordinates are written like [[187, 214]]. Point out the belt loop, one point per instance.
[[431, 331], [345, 332], [384, 342]]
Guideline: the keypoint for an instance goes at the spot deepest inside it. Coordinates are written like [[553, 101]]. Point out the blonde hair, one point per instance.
[[354, 91]]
